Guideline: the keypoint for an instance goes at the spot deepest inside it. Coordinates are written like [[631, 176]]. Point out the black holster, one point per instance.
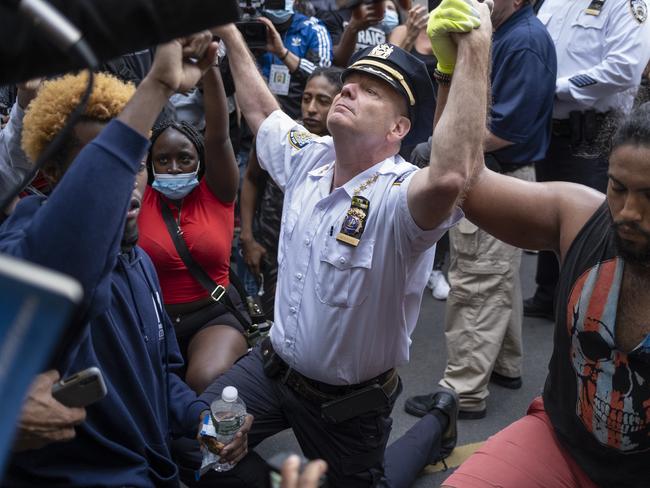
[[584, 127]]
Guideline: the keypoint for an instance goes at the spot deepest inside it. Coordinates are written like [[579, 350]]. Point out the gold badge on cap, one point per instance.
[[354, 222], [381, 51]]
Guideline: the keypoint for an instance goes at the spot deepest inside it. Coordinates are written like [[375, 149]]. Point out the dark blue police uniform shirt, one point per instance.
[[524, 68]]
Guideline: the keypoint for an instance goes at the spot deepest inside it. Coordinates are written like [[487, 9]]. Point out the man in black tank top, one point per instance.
[[591, 428]]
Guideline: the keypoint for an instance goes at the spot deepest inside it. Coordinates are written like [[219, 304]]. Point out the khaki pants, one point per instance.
[[484, 310]]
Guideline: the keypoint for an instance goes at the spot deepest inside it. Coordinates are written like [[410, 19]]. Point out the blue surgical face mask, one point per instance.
[[279, 16], [391, 20], [177, 186]]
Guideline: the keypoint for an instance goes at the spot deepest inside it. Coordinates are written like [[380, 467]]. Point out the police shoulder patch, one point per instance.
[[639, 10], [300, 138]]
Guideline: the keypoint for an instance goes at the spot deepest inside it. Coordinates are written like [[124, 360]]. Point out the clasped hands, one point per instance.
[[454, 17]]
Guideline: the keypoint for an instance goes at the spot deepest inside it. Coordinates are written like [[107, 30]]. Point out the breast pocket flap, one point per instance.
[[343, 256], [587, 21]]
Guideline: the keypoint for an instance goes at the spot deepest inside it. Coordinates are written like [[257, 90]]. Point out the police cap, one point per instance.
[[406, 74]]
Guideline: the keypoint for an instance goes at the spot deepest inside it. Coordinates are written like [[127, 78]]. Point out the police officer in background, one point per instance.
[[358, 231], [602, 48]]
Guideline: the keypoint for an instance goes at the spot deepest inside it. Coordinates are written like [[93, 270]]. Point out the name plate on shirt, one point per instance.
[[279, 79], [595, 7]]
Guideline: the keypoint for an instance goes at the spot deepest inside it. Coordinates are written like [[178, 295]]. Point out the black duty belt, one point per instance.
[[316, 391], [493, 163], [577, 121], [512, 167]]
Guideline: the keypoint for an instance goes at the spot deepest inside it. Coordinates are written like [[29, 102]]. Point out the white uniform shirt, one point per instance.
[[610, 49], [343, 314]]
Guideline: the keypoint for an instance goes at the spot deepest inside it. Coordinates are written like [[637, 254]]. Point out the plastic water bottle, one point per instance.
[[228, 414]]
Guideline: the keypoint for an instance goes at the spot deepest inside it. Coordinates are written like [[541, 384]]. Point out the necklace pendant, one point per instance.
[[354, 222]]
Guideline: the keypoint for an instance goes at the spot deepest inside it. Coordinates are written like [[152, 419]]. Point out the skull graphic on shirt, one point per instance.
[[613, 388]]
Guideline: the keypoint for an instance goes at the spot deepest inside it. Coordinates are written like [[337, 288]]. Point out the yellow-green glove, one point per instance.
[[450, 16]]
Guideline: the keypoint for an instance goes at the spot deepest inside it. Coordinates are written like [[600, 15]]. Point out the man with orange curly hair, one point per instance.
[[87, 229]]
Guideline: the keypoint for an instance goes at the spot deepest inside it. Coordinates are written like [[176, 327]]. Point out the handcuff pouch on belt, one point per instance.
[[272, 363]]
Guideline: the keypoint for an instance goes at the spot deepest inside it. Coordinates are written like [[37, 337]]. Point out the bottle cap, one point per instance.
[[229, 394]]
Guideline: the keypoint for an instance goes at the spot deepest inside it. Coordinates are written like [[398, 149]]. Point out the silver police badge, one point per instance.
[[639, 10]]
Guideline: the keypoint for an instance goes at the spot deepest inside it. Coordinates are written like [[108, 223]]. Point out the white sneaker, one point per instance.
[[438, 285]]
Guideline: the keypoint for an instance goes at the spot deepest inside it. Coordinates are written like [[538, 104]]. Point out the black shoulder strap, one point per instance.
[[236, 282], [217, 292], [537, 6]]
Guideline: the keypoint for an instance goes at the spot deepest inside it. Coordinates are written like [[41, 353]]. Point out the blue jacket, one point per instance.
[[127, 334]]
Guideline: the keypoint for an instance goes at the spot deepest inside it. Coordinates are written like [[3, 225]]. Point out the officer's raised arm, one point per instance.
[[457, 142], [253, 95]]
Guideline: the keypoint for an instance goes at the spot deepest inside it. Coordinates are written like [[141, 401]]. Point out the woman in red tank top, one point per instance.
[[198, 183]]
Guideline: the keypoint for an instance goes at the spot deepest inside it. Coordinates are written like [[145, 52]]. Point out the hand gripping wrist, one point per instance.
[[451, 16], [445, 69]]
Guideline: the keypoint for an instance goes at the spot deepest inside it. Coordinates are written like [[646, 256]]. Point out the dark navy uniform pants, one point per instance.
[[355, 450]]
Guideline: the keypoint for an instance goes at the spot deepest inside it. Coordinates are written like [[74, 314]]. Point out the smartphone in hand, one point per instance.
[[81, 389]]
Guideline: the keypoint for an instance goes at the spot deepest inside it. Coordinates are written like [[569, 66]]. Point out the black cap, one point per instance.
[[409, 76]]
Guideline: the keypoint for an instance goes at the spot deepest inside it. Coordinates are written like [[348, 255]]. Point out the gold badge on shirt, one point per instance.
[[354, 222], [595, 7]]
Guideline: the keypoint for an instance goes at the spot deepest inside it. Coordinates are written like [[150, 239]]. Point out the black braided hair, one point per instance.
[[185, 128]]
